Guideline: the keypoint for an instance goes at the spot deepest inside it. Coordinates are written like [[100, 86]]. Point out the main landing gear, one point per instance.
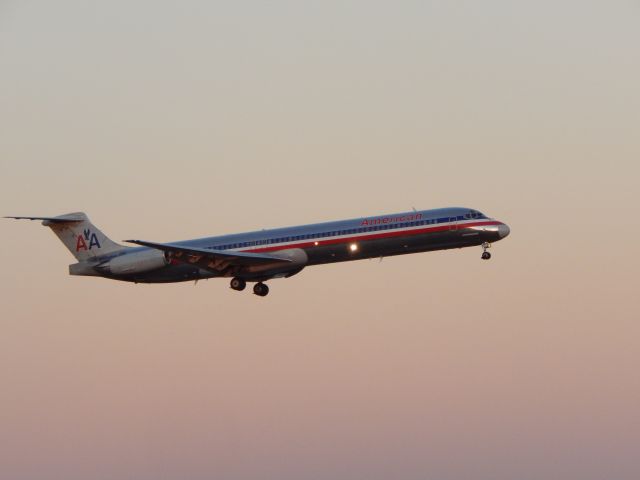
[[240, 284], [486, 255], [260, 289]]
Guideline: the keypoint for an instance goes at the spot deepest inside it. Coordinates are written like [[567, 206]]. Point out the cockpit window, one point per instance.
[[471, 214]]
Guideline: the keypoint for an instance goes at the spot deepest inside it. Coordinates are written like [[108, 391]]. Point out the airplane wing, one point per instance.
[[213, 260]]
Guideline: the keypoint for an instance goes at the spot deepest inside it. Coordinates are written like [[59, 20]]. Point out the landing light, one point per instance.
[[315, 243], [353, 247]]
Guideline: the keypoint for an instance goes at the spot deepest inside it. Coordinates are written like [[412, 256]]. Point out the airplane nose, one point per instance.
[[503, 230]]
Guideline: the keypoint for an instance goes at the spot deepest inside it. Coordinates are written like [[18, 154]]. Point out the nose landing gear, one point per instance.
[[486, 255]]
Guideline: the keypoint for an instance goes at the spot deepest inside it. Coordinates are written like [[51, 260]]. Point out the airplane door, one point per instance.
[[453, 224]]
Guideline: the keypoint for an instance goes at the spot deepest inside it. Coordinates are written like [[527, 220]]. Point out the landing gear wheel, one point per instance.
[[486, 255], [238, 284], [260, 289]]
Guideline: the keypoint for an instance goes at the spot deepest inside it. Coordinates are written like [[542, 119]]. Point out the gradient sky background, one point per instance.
[[168, 121]]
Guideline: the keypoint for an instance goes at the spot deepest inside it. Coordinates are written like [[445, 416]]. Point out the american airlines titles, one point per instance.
[[383, 220]]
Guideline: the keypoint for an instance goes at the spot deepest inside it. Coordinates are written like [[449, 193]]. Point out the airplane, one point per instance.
[[267, 254]]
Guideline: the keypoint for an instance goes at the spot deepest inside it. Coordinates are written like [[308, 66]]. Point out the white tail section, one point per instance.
[[83, 239]]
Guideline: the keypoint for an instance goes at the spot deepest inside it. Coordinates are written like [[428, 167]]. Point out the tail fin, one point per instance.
[[79, 235]]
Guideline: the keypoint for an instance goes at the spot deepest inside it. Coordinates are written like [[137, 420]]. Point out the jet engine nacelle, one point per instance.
[[137, 262]]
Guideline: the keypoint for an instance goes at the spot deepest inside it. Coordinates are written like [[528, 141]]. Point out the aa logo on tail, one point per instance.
[[87, 237]]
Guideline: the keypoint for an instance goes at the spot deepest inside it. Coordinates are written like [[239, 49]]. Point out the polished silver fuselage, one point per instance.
[[355, 239]]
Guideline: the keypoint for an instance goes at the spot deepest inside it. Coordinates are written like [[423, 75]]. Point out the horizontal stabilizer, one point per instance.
[[72, 217]]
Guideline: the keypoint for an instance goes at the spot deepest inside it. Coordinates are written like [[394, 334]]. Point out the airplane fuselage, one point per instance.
[[346, 240]]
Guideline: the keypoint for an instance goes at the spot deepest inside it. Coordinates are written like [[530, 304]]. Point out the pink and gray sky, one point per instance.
[[171, 120]]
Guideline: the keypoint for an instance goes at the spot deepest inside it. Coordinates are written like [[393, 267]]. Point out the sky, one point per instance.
[[174, 120]]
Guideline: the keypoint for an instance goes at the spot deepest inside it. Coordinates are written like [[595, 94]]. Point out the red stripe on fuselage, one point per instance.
[[373, 236]]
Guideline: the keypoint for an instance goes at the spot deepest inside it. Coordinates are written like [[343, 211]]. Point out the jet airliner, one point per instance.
[[267, 254]]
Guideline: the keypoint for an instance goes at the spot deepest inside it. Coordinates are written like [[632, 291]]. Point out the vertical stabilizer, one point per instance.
[[83, 239]]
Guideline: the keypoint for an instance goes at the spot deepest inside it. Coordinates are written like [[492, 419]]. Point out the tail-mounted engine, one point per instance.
[[135, 262]]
